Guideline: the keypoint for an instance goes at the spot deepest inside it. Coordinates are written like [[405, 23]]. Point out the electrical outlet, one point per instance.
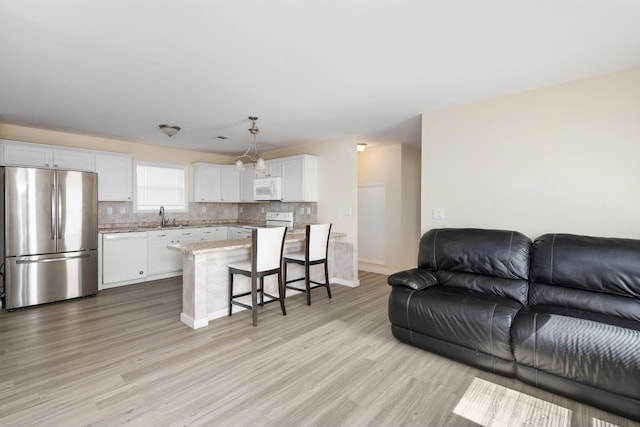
[[109, 210], [123, 210], [301, 211], [437, 213], [240, 209], [203, 209], [308, 211], [262, 210]]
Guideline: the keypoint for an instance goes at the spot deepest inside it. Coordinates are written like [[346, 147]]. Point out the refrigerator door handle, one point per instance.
[[53, 212], [59, 212], [36, 261]]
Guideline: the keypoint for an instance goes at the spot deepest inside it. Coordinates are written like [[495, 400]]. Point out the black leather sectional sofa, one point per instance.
[[561, 313]]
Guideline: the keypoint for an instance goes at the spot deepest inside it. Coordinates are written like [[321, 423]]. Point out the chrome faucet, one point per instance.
[[163, 222]]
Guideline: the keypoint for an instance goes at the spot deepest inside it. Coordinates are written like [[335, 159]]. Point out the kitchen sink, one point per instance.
[[160, 227]]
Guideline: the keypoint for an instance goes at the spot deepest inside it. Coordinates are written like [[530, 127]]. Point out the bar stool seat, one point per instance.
[[315, 253], [267, 245]]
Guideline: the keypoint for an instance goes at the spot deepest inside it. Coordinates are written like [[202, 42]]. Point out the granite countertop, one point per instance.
[[297, 235], [146, 226]]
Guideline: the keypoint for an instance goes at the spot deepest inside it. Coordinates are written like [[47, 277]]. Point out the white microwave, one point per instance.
[[269, 188]]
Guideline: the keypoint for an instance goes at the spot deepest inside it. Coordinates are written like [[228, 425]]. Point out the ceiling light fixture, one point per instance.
[[170, 130], [255, 157], [361, 146]]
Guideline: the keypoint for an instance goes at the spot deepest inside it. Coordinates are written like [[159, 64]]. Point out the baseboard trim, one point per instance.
[[343, 282], [188, 320]]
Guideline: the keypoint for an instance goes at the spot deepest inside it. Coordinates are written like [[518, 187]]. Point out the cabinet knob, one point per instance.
[[55, 165], [141, 272], [46, 164]]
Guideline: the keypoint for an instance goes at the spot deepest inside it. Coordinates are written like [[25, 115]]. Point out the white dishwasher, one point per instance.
[[124, 256]]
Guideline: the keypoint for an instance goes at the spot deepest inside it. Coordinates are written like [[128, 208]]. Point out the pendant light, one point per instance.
[[255, 156]]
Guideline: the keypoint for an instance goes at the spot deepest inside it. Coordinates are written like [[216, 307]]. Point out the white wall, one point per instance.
[[564, 158]]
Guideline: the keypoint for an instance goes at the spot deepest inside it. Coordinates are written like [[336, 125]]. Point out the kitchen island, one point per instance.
[[205, 274]]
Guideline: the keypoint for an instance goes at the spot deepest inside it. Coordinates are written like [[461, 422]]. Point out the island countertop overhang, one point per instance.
[[230, 245]]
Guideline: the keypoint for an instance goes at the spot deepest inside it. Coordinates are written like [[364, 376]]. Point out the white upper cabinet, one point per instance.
[[73, 159], [45, 156], [246, 183], [229, 184], [206, 183], [26, 155], [114, 177], [272, 168], [300, 178], [215, 183]]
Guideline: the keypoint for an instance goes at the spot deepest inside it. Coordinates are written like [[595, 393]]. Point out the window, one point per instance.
[[160, 185]]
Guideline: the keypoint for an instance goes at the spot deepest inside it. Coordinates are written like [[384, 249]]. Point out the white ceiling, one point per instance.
[[310, 70]]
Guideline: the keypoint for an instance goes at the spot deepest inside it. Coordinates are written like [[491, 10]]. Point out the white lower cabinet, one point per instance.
[[160, 259], [136, 257], [234, 233], [212, 234], [163, 260]]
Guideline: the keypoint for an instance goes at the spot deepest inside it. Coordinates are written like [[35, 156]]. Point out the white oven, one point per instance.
[[269, 188]]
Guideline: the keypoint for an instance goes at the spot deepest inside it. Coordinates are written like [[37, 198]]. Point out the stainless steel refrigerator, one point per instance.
[[50, 235]]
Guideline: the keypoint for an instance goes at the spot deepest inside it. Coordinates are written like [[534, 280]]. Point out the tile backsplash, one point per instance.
[[116, 213]]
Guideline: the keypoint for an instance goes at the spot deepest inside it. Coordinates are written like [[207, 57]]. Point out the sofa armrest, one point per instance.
[[416, 279]]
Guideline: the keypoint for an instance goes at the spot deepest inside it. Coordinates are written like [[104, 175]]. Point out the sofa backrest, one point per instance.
[[597, 274], [489, 261]]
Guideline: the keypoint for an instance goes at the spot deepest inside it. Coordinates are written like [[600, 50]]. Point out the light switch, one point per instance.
[[123, 210], [301, 211], [109, 210], [308, 211], [203, 209], [437, 213]]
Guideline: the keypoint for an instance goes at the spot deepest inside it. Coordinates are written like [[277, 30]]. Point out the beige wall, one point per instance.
[[410, 217], [338, 185], [564, 158], [142, 152], [398, 168]]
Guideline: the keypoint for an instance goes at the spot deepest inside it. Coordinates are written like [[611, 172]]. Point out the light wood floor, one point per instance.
[[124, 357]]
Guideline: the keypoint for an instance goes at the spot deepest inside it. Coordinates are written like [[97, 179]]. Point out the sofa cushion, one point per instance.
[[591, 273], [590, 348], [493, 262], [497, 253], [473, 320], [515, 289]]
